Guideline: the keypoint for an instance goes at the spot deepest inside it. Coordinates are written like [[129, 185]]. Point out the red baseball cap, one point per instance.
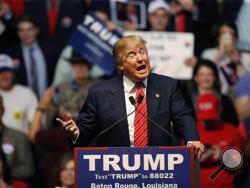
[[207, 107]]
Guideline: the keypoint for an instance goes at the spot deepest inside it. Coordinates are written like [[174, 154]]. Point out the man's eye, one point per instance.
[[142, 51], [131, 55]]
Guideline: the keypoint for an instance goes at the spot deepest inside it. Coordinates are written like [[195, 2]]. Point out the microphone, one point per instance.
[[140, 98], [132, 100]]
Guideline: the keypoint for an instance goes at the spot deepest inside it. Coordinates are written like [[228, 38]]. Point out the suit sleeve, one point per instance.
[[86, 120], [181, 116]]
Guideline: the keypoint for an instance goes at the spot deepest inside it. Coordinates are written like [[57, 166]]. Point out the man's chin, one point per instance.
[[141, 77], [137, 77]]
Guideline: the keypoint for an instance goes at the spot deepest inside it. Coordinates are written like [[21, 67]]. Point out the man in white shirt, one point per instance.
[[19, 101]]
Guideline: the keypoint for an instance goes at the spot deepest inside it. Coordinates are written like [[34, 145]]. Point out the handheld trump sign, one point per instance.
[[152, 167], [168, 52], [94, 41]]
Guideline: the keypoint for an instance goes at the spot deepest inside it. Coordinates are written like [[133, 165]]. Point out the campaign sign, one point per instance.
[[168, 52], [94, 41], [126, 167]]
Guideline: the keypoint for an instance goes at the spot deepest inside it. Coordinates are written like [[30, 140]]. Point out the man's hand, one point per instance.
[[188, 5], [216, 152], [191, 61], [242, 105], [68, 125], [199, 148]]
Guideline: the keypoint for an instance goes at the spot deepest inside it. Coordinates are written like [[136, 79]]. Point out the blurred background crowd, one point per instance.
[[41, 77]]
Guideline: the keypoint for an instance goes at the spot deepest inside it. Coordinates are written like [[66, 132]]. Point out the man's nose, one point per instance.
[[139, 57]]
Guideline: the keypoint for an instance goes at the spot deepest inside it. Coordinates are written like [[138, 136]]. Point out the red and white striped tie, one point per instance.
[[141, 122]]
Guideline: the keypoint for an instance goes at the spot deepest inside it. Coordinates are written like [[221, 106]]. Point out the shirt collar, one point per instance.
[[129, 85], [34, 45]]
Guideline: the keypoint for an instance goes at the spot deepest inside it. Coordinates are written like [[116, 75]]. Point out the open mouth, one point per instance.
[[140, 68]]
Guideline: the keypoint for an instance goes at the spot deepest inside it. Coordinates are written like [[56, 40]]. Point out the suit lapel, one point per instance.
[[117, 101], [21, 73], [153, 100]]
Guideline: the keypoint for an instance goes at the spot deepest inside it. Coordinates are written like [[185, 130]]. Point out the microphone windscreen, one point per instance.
[[132, 100], [140, 98]]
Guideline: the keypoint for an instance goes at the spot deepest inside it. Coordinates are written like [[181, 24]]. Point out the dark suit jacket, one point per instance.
[[105, 105], [50, 60]]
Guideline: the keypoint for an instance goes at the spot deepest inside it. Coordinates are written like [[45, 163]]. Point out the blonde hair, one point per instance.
[[123, 43]]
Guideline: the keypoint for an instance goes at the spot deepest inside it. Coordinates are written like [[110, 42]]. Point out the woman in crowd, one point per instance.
[[226, 56], [205, 80], [65, 172]]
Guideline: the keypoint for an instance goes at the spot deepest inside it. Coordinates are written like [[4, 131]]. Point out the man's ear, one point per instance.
[[120, 67], [37, 30]]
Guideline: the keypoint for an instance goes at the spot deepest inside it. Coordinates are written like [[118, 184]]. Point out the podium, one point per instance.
[[128, 167]]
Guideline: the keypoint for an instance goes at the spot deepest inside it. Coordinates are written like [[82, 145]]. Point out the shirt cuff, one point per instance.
[[190, 142], [75, 140]]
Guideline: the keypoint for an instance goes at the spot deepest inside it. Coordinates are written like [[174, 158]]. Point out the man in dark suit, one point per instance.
[[56, 18], [109, 102], [36, 62]]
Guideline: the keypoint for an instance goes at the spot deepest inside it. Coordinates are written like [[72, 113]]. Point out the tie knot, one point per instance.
[[139, 89], [139, 85]]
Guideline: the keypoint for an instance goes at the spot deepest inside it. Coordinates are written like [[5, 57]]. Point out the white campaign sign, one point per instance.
[[168, 51]]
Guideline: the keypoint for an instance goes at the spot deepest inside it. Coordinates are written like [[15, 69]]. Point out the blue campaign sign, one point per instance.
[[94, 41], [158, 167]]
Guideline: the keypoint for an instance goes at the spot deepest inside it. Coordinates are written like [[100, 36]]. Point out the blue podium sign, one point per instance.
[[126, 167]]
